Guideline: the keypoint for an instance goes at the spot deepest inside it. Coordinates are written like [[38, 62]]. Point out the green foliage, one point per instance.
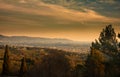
[[95, 64], [96, 45], [112, 67], [107, 42], [23, 68], [6, 62]]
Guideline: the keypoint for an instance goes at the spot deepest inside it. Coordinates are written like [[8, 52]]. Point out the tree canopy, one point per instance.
[[107, 42], [6, 62]]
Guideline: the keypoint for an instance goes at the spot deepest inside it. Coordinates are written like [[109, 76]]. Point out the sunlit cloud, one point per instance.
[[36, 18], [60, 12]]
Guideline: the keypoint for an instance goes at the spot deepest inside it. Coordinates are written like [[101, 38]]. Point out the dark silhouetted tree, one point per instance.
[[118, 35], [119, 38], [107, 45], [95, 64], [107, 42], [23, 68], [96, 45], [55, 64], [6, 62], [79, 70]]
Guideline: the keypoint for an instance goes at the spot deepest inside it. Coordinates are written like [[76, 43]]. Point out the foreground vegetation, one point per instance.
[[103, 60], [35, 58]]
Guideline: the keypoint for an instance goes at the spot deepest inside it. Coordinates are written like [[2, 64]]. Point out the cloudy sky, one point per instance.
[[80, 20]]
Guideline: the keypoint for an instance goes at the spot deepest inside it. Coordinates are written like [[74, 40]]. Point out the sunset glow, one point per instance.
[[42, 19]]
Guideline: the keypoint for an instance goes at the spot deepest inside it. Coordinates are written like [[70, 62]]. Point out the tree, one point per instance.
[[107, 42], [54, 64], [95, 64], [79, 70], [23, 68], [6, 62], [119, 38], [96, 44], [108, 45], [118, 35]]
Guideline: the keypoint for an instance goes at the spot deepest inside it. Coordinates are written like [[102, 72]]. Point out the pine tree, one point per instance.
[[118, 35], [23, 68], [95, 64], [107, 42], [6, 62], [96, 44], [79, 70], [119, 38]]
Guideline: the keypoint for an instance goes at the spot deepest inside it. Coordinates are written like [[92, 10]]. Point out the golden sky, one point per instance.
[[36, 18]]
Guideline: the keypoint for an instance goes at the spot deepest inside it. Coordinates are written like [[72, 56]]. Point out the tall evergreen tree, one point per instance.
[[94, 64], [118, 35], [23, 68], [113, 66], [96, 44], [107, 42], [6, 62], [119, 38]]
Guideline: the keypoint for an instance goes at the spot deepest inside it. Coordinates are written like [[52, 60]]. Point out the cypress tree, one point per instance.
[[23, 68], [119, 38], [6, 62]]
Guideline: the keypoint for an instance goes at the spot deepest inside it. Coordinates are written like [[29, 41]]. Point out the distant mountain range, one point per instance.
[[35, 41]]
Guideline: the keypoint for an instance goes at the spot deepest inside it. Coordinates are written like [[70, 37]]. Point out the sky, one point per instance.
[[79, 20]]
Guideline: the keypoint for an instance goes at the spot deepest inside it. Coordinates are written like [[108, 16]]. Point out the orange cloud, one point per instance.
[[60, 12]]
